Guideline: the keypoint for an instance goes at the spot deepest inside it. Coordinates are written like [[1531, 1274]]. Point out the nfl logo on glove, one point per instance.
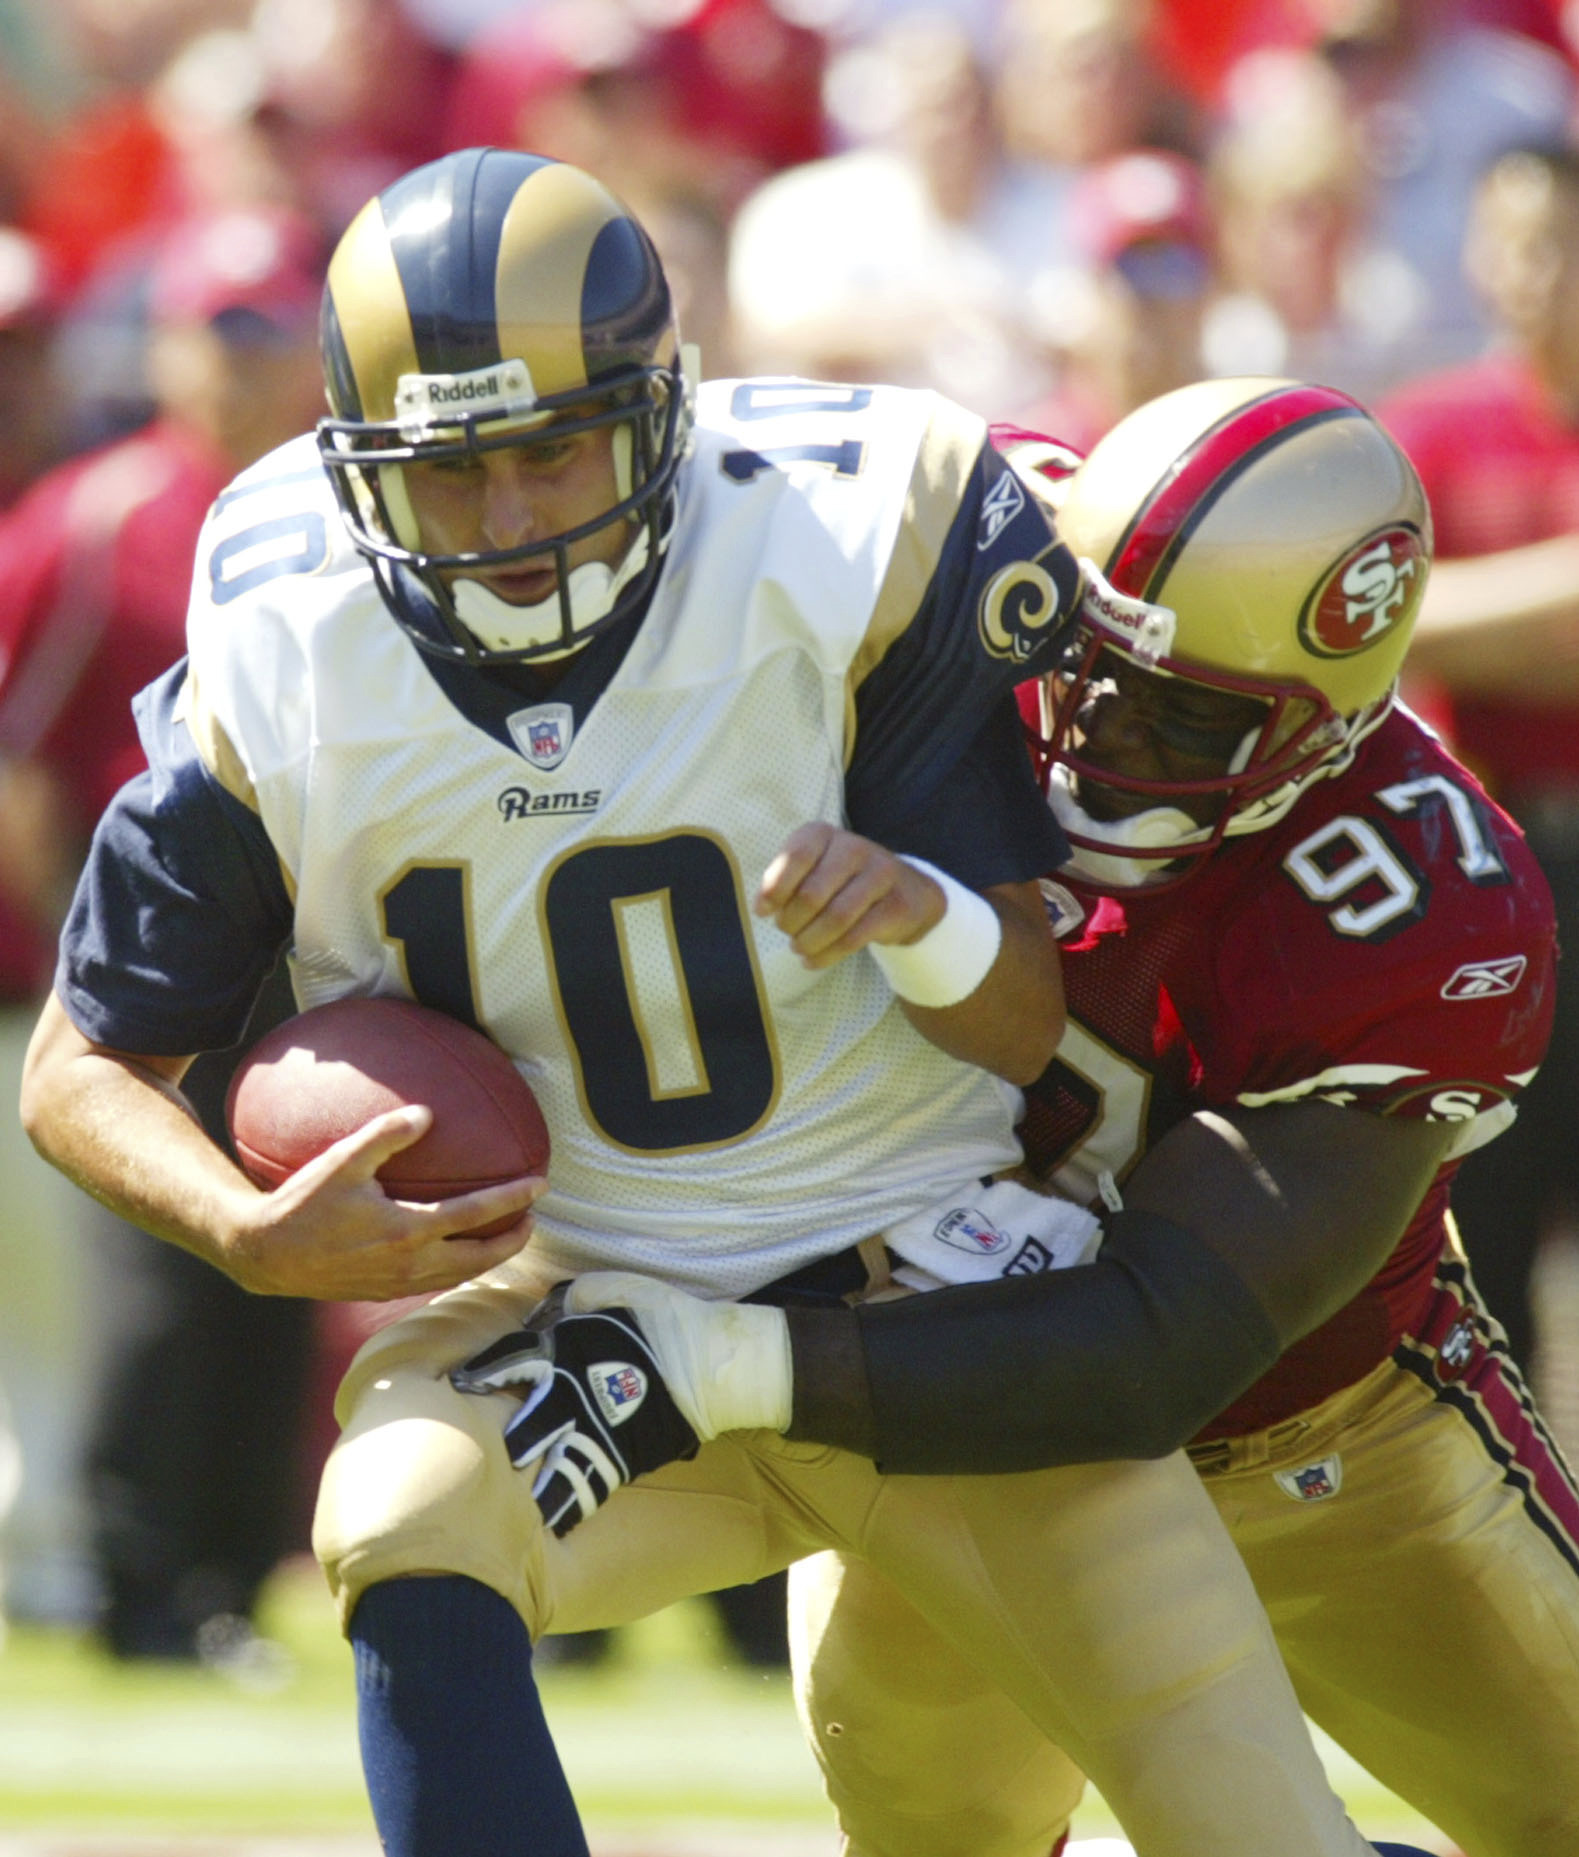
[[619, 1389]]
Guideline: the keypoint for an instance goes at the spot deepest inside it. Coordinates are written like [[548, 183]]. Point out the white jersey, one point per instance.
[[719, 1114]]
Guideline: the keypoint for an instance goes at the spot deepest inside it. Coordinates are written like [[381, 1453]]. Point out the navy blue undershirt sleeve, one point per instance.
[[940, 767], [181, 909], [988, 822]]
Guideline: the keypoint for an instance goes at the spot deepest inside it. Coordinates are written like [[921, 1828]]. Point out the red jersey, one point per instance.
[[1389, 944], [95, 570], [1500, 465]]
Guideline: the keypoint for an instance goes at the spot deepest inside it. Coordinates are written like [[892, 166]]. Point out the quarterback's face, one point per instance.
[[514, 496], [1145, 726]]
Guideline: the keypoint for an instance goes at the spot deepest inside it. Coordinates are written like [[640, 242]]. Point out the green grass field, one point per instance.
[[672, 1751]]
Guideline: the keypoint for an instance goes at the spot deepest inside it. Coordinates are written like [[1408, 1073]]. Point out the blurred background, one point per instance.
[[1049, 210]]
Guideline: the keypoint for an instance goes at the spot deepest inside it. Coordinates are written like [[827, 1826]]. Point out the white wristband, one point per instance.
[[955, 955]]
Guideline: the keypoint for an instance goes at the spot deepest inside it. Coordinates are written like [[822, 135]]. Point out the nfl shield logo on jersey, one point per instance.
[[1065, 912], [1315, 1482], [543, 733], [619, 1388]]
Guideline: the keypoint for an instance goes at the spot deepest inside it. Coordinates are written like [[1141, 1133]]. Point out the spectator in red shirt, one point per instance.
[[95, 563]]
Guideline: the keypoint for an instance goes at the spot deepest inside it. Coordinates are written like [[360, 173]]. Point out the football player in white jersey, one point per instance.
[[669, 738]]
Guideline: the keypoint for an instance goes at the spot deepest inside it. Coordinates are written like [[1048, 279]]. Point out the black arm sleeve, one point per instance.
[[1126, 1357]]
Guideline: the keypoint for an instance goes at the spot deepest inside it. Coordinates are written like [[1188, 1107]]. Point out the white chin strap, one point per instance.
[[1157, 827], [594, 587]]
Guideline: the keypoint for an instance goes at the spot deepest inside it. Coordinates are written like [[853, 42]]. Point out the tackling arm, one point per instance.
[[1242, 1233]]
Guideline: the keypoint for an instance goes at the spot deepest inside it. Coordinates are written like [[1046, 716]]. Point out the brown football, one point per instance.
[[327, 1072]]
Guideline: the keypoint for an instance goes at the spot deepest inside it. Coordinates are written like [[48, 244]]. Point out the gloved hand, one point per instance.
[[726, 1364], [595, 1413], [613, 1349]]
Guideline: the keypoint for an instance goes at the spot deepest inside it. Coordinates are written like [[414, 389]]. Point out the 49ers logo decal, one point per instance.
[[1365, 595]]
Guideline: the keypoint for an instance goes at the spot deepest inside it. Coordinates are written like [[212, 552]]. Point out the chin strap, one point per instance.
[[594, 587], [1158, 828]]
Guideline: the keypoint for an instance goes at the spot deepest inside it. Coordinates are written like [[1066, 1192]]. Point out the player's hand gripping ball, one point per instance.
[[326, 1073]]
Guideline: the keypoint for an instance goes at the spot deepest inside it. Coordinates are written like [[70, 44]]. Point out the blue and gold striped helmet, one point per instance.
[[472, 302]]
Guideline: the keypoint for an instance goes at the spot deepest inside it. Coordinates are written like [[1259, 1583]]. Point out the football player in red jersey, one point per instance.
[[1308, 967]]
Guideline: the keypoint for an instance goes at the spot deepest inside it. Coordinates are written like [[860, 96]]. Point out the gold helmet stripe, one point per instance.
[[545, 246], [370, 305]]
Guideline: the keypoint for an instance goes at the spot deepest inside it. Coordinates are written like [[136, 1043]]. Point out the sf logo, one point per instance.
[[1374, 586], [1365, 594]]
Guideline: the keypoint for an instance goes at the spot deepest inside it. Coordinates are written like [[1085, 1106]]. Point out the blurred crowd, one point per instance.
[[1008, 199], [1050, 210]]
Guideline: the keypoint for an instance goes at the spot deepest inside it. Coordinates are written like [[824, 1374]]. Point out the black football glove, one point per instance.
[[596, 1413]]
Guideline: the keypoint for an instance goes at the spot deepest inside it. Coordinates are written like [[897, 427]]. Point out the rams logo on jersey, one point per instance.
[[523, 803], [1017, 607]]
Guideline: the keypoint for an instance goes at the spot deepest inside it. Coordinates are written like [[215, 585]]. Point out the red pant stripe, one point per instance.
[[1487, 1390]]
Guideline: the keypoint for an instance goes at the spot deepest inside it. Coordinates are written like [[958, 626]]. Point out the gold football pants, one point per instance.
[[1415, 1541], [1107, 1601]]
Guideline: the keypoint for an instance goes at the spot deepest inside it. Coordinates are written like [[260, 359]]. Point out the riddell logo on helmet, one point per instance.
[[505, 387], [1365, 594], [447, 392], [1147, 630]]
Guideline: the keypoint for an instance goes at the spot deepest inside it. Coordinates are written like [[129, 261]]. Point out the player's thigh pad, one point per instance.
[[922, 1755], [420, 1481], [1427, 1596]]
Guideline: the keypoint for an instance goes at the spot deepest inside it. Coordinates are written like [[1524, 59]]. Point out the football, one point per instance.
[[325, 1073]]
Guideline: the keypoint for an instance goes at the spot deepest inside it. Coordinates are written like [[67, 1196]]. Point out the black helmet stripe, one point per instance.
[[625, 307], [338, 377], [447, 281]]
